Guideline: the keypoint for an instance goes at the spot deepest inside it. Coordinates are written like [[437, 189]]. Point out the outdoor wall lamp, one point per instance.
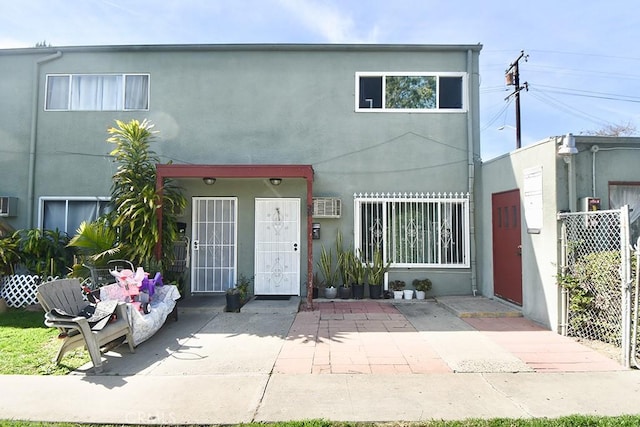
[[209, 180], [275, 181]]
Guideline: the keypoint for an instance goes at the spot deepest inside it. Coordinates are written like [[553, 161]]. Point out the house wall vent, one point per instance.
[[327, 207], [8, 206]]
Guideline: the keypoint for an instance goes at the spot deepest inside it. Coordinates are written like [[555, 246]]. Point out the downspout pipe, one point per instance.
[[471, 167], [594, 150], [34, 134], [567, 151]]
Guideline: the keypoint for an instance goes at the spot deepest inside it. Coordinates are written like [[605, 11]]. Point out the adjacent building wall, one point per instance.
[[616, 160], [539, 293]]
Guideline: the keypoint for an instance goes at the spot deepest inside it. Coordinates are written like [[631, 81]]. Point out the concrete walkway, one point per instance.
[[347, 360]]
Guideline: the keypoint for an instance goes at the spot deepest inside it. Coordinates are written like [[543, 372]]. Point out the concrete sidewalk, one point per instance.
[[416, 361]]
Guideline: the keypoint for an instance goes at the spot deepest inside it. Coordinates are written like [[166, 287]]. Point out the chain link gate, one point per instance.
[[596, 279]]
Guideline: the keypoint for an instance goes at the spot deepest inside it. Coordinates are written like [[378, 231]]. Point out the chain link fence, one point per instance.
[[596, 279]]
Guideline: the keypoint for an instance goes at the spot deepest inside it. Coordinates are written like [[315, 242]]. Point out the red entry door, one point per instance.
[[507, 249]]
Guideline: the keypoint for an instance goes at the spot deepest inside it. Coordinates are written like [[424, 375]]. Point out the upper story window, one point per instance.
[[415, 92], [97, 92]]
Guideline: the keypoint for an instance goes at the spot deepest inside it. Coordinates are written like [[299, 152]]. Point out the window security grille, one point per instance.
[[414, 229]]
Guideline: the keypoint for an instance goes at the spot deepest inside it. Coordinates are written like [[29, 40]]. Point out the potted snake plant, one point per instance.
[[329, 273], [376, 270], [357, 274]]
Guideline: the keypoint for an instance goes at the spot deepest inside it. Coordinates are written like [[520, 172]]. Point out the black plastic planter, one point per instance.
[[357, 291], [233, 303], [375, 291], [345, 293]]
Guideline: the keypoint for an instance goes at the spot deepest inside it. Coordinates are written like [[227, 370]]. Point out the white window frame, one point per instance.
[[67, 199], [442, 201], [383, 75], [123, 91]]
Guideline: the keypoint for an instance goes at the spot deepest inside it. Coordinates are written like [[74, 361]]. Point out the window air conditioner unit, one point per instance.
[[8, 206], [327, 207]]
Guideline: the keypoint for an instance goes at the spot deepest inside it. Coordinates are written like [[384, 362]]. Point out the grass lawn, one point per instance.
[[571, 421], [27, 346]]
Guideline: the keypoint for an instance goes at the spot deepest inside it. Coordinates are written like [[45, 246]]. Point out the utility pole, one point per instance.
[[512, 77]]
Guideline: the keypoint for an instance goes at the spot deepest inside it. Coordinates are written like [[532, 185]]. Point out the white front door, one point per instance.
[[213, 244], [277, 256]]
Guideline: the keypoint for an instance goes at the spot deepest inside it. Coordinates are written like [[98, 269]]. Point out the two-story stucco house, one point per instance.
[[277, 147]]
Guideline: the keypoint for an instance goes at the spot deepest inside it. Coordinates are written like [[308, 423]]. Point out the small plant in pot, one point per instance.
[[397, 286], [237, 296], [329, 273], [375, 271], [357, 274], [343, 268], [422, 286]]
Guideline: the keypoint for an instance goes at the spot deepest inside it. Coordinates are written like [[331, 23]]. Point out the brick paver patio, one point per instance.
[[367, 336]]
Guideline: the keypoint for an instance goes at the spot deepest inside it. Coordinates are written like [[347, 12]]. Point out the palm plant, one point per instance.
[[135, 198], [96, 241], [9, 255]]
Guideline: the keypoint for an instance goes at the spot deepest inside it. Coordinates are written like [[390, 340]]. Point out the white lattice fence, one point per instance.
[[19, 290]]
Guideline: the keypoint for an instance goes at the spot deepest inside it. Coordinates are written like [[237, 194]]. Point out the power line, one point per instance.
[[586, 72], [498, 114], [590, 94], [569, 109], [559, 52]]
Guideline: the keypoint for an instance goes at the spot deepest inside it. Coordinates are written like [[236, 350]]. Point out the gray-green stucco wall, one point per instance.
[[250, 105]]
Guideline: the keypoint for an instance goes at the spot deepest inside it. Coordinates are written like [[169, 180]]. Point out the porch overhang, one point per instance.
[[305, 172]]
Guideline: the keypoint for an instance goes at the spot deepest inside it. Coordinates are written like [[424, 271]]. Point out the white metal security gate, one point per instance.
[[277, 251], [596, 279], [214, 247]]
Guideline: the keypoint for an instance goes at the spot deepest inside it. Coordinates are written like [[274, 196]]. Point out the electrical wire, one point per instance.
[[589, 94], [569, 109], [499, 114]]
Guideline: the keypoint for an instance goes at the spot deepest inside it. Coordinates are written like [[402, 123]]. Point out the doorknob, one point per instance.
[[295, 247], [519, 247], [195, 245]]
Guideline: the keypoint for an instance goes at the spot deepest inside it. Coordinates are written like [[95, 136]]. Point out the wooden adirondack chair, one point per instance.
[[66, 295]]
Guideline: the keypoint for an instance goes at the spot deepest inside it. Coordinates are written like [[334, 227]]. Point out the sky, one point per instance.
[[582, 57]]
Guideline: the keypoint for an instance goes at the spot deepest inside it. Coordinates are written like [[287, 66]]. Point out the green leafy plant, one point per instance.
[[44, 252], [9, 255], [327, 269], [422, 285], [342, 261], [397, 285], [594, 292], [356, 268], [377, 269], [96, 242], [135, 198], [241, 288]]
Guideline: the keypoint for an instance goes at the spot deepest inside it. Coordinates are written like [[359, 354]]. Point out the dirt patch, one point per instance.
[[611, 351]]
